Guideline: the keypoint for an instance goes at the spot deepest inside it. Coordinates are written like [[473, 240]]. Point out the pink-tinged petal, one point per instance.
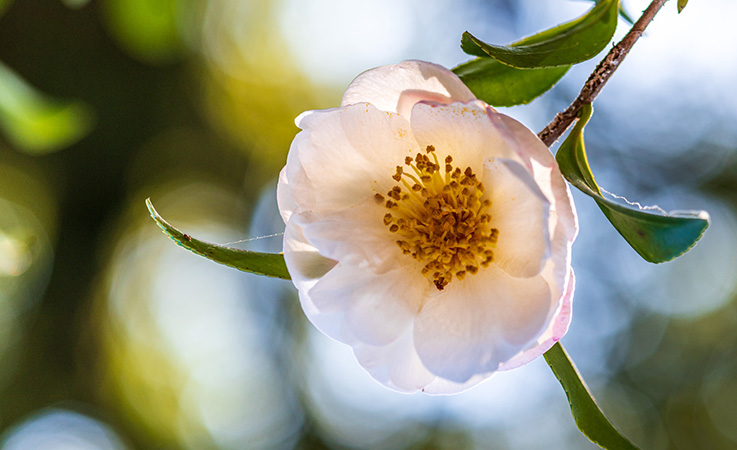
[[540, 160], [395, 365], [556, 330], [466, 131], [398, 87], [520, 211], [344, 156], [474, 326]]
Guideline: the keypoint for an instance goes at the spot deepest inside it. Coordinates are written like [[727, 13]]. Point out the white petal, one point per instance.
[[375, 309], [397, 88], [520, 211], [306, 266], [441, 386], [356, 234], [395, 365], [344, 156], [475, 325], [469, 132], [555, 331], [284, 197]]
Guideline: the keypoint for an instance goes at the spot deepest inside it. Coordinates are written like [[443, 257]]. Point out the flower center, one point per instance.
[[440, 218]]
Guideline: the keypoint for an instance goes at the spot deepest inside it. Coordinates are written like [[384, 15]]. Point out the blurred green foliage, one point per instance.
[[100, 314]]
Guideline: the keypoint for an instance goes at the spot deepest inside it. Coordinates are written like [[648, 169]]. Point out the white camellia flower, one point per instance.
[[427, 231]]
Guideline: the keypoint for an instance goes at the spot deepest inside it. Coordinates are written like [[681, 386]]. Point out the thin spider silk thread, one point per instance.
[[254, 239]]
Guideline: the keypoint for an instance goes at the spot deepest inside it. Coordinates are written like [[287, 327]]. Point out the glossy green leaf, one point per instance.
[[588, 416], [269, 264], [681, 4], [500, 85], [36, 123], [657, 236], [569, 43]]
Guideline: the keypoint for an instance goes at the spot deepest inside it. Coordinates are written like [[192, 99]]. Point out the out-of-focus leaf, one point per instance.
[[588, 416], [3, 5], [625, 15], [569, 43], [269, 264], [146, 29], [36, 123], [681, 4], [75, 4], [500, 85], [657, 237]]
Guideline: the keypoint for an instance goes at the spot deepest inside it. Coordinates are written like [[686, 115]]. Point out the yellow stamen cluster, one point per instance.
[[440, 217]]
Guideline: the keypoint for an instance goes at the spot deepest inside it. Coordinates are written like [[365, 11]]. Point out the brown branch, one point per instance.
[[600, 76]]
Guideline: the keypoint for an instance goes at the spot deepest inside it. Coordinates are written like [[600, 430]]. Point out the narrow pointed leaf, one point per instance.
[[622, 13], [656, 236], [588, 416], [34, 122], [569, 43], [269, 264], [500, 85], [681, 4], [625, 15]]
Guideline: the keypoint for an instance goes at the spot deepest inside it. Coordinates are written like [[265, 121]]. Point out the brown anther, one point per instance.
[[447, 228], [378, 197]]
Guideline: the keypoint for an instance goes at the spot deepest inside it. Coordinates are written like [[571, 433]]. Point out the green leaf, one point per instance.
[[681, 4], [625, 15], [501, 85], [622, 13], [588, 416], [569, 43], [657, 237], [269, 264], [36, 123]]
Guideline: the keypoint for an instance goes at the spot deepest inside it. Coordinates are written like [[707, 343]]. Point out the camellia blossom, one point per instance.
[[427, 231]]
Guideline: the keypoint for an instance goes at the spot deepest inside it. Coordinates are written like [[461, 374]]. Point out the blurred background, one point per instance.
[[112, 337]]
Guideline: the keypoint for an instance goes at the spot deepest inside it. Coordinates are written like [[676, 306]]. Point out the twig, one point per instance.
[[600, 76]]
